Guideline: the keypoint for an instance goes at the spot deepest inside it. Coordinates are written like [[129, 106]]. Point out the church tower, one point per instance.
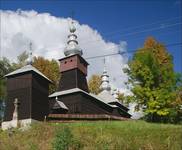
[[110, 99], [73, 67], [27, 96]]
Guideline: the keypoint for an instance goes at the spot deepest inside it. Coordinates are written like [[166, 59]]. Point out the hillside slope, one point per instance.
[[101, 135]]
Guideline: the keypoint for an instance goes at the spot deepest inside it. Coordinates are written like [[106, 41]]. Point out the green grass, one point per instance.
[[101, 135]]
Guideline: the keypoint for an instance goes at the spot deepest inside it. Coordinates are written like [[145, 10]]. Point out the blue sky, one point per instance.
[[131, 21]]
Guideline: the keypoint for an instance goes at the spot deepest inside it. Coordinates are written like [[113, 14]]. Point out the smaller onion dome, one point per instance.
[[105, 81]]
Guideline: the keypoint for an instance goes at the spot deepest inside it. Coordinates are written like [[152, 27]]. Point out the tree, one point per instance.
[[121, 97], [50, 69], [21, 60], [154, 82], [6, 68], [94, 84], [177, 104]]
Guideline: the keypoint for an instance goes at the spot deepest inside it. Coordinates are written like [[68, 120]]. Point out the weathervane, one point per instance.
[[104, 60], [72, 14], [72, 27]]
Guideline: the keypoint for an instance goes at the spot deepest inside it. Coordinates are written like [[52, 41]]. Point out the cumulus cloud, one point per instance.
[[49, 36]]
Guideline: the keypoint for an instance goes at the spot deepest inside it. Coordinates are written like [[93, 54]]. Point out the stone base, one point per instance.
[[20, 123]]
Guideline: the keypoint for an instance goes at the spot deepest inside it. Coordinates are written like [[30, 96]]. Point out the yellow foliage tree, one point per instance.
[[94, 84], [50, 69]]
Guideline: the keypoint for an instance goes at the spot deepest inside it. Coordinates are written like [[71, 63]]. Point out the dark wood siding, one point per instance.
[[73, 62], [81, 103], [82, 81], [32, 92], [116, 112], [59, 111], [40, 103], [73, 79], [72, 101], [120, 105], [90, 105], [18, 87], [73, 73]]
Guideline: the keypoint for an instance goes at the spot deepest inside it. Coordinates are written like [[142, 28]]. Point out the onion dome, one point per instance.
[[72, 47], [105, 81]]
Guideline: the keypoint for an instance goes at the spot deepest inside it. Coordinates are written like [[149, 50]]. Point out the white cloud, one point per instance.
[[49, 35]]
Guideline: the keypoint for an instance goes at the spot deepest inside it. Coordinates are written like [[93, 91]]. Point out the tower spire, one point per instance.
[[72, 44], [104, 60], [105, 79], [29, 62]]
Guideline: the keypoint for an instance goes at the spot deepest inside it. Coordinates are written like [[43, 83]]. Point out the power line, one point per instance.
[[93, 57], [129, 28], [130, 33], [134, 33], [125, 52], [122, 53], [152, 29], [162, 34], [101, 40], [153, 23]]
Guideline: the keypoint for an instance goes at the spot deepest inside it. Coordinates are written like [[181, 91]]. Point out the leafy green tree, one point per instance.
[[154, 82], [50, 69], [6, 68], [94, 84]]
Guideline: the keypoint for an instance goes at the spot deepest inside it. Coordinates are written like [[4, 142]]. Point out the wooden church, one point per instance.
[[72, 99]]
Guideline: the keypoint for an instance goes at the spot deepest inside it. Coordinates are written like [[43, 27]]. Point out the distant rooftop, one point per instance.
[[107, 96]]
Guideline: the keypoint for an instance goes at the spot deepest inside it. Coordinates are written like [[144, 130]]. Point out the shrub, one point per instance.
[[63, 139]]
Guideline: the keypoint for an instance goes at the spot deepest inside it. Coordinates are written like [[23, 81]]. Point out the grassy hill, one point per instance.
[[102, 135]]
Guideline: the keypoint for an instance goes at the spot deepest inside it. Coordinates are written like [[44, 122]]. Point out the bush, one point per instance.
[[62, 139]]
